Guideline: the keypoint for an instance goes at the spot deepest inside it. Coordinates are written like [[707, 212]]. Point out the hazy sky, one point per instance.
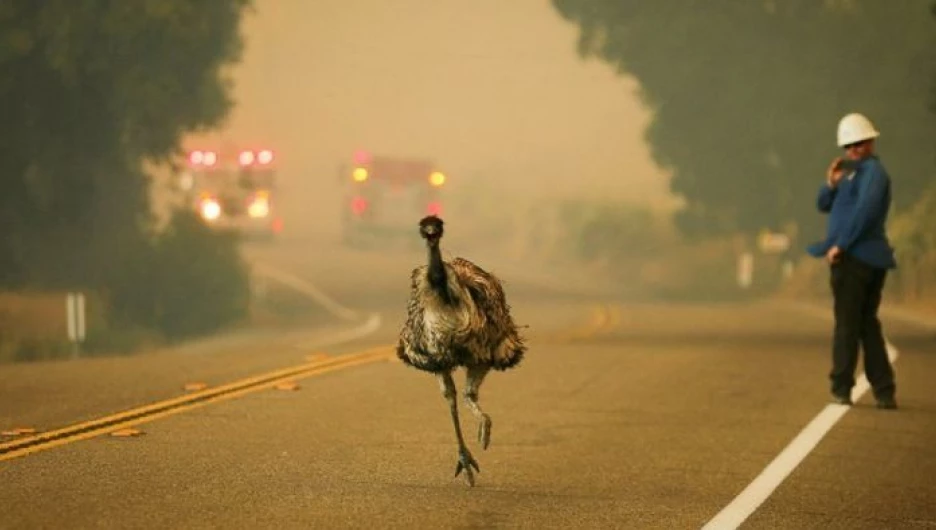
[[491, 89]]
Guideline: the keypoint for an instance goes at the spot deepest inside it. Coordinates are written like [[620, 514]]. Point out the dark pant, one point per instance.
[[857, 288]]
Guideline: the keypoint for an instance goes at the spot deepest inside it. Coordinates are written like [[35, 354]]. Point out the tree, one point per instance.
[[90, 90], [746, 95]]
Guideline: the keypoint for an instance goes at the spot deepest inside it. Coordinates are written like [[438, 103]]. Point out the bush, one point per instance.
[[633, 245], [915, 247], [204, 281], [33, 325], [42, 349], [122, 339], [705, 270], [610, 230], [186, 281]]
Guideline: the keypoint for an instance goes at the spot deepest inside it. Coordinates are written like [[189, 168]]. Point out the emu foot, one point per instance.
[[466, 462]]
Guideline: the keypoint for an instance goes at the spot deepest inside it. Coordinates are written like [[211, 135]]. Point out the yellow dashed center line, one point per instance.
[[161, 409], [603, 317]]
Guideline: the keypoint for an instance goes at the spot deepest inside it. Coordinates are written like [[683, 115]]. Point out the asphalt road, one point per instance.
[[625, 414]]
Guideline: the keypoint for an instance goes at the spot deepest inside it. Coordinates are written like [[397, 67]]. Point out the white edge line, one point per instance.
[[309, 290], [733, 515]]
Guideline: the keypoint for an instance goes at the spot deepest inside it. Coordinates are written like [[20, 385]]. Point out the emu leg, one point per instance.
[[474, 379], [465, 460]]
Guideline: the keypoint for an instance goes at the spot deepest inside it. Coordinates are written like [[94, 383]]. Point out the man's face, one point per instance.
[[859, 150]]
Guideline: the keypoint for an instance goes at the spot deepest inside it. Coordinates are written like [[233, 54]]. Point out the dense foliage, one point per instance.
[[89, 92], [746, 95]]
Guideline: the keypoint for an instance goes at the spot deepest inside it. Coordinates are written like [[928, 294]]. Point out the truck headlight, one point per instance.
[[210, 209], [258, 208]]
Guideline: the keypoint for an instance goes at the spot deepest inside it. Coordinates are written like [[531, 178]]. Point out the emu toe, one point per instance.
[[466, 462]]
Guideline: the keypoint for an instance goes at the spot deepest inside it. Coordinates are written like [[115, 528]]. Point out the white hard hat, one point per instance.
[[855, 128]]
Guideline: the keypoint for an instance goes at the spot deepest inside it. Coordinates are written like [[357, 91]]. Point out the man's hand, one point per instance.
[[834, 174], [833, 255]]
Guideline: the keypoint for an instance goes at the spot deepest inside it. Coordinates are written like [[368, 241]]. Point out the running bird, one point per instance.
[[458, 316]]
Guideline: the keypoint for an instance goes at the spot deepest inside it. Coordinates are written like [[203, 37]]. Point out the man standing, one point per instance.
[[857, 196]]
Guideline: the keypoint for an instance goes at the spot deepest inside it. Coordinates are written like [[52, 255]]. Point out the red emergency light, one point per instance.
[[361, 158], [358, 205], [277, 225]]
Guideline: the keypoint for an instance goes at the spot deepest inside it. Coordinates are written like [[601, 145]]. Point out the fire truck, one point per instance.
[[234, 189], [385, 196]]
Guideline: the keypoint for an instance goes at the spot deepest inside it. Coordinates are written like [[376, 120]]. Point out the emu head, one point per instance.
[[430, 228]]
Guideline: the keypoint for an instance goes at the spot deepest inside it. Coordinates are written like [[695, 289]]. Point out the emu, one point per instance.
[[458, 316]]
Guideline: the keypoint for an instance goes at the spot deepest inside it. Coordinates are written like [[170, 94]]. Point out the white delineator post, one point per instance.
[[75, 310], [745, 270]]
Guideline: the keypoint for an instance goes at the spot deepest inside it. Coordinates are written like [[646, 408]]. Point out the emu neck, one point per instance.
[[438, 278]]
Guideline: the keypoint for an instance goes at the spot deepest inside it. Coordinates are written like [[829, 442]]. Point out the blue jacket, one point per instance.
[[857, 210]]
